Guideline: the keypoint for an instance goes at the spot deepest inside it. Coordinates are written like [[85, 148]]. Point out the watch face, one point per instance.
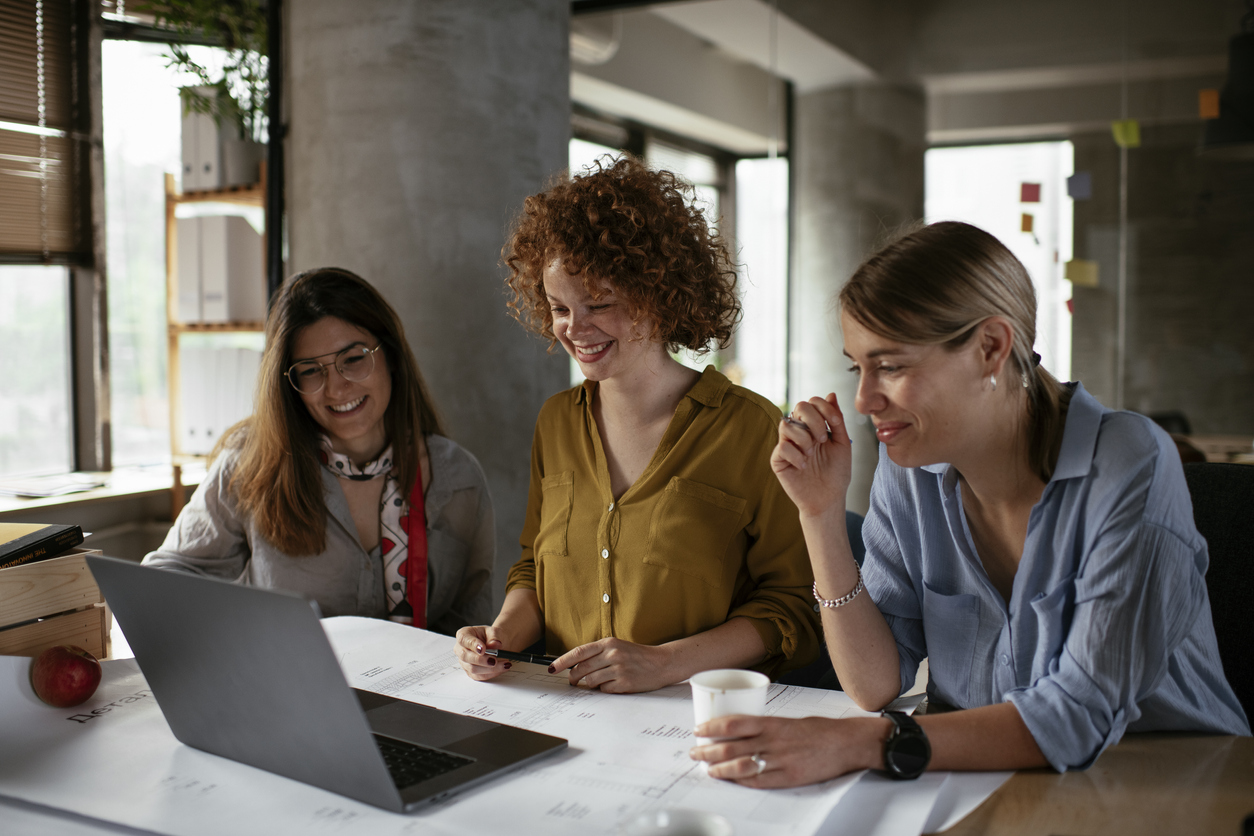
[[909, 754]]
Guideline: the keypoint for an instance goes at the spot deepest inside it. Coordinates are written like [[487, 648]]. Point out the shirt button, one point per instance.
[[605, 599], [611, 506], [605, 552], [816, 607], [1005, 660]]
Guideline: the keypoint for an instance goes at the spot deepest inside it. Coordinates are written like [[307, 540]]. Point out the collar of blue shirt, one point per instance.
[[1079, 437]]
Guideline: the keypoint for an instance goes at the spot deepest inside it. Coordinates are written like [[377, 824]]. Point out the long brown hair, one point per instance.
[[276, 480], [934, 285]]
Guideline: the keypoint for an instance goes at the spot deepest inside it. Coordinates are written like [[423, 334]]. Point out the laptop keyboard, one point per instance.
[[410, 764]]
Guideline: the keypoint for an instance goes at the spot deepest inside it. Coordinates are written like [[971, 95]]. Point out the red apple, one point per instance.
[[65, 675]]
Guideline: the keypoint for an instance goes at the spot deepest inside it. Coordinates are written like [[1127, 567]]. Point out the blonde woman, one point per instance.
[[1036, 547]]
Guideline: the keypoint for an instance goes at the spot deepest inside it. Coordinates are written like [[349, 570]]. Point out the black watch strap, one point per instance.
[[906, 751]]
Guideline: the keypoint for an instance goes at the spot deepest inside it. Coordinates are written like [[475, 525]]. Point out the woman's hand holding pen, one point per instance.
[[813, 459], [616, 666], [470, 647]]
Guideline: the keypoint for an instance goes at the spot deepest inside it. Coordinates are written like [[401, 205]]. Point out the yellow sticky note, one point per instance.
[[1081, 272], [1127, 133], [1025, 222], [1208, 104]]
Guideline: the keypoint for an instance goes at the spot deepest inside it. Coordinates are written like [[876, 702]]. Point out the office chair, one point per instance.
[[819, 673], [1223, 509]]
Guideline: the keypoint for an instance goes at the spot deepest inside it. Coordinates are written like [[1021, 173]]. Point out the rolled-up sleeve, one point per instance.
[[522, 575], [1137, 598], [780, 606]]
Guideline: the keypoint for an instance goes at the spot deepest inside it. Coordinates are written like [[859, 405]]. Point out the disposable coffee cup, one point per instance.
[[723, 692], [677, 822]]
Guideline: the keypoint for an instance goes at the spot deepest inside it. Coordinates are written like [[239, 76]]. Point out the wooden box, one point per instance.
[[53, 602]]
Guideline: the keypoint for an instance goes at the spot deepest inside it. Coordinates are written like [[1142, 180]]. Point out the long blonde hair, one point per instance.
[[276, 480], [934, 285]]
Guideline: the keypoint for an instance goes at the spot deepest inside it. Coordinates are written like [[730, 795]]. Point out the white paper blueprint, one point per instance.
[[627, 754]]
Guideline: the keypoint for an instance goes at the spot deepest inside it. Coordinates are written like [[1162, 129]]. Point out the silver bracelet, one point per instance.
[[839, 602]]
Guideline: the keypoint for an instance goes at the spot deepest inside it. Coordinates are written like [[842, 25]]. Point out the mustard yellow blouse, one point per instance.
[[704, 535]]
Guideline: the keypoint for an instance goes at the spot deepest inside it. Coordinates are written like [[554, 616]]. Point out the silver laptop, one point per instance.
[[248, 674]]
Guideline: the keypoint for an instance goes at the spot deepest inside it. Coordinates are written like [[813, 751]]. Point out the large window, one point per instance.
[[985, 185], [762, 236], [35, 424], [142, 131]]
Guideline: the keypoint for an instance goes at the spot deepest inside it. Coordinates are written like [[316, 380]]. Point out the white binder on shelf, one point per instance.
[[191, 163], [194, 379], [188, 275], [246, 281], [225, 403], [202, 149], [213, 265], [208, 151], [232, 286], [249, 369]]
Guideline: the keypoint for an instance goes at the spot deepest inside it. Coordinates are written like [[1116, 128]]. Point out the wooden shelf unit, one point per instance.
[[255, 196]]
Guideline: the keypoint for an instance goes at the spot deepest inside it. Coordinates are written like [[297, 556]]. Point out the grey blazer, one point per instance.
[[210, 538]]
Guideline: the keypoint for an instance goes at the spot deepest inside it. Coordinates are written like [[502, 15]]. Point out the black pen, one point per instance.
[[521, 657]]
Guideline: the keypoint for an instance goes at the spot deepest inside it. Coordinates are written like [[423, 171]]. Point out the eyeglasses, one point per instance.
[[354, 363]]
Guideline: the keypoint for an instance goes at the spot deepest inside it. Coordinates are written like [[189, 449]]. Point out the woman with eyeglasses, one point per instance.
[[314, 492]]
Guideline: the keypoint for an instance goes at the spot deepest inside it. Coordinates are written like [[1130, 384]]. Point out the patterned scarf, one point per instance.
[[394, 540]]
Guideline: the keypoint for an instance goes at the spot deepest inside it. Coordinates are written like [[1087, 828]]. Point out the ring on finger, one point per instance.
[[759, 762]]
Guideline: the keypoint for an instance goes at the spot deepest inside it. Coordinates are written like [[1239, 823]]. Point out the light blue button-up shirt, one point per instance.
[[1108, 628]]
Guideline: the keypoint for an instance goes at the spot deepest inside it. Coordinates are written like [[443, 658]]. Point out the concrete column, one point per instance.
[[858, 177], [416, 130]]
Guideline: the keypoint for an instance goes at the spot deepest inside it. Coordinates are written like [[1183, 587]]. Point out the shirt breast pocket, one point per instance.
[[951, 626], [557, 495], [692, 526]]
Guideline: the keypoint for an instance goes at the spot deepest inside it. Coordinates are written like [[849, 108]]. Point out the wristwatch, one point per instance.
[[906, 751]]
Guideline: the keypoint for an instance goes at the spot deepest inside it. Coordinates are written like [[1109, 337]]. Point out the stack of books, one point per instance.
[[47, 594]]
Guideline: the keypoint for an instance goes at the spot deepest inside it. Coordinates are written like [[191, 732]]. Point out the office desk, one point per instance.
[[1147, 784]]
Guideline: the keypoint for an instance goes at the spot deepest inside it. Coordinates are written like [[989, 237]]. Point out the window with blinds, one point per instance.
[[42, 156]]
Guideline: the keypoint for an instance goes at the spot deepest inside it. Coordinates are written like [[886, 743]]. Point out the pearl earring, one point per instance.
[[993, 380]]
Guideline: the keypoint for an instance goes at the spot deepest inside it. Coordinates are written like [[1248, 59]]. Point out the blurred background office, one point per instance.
[[408, 133]]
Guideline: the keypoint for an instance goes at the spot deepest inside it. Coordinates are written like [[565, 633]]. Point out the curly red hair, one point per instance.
[[640, 231]]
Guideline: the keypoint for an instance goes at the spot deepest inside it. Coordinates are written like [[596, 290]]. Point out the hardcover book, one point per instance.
[[22, 543]]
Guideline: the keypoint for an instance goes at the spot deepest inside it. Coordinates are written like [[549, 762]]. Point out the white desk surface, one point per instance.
[[627, 755]]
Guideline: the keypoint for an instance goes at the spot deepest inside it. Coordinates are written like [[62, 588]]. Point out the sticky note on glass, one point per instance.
[[1208, 104], [1081, 272], [1025, 222], [1127, 133], [1029, 192], [1080, 185]]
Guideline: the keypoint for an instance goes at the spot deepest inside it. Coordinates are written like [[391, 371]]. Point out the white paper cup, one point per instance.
[[722, 692], [677, 822]]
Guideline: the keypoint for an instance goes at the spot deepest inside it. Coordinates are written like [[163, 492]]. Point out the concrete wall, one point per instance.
[[858, 177], [416, 130], [1190, 291]]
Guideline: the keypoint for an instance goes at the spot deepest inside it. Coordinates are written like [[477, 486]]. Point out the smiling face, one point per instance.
[[598, 333], [928, 402], [351, 412]]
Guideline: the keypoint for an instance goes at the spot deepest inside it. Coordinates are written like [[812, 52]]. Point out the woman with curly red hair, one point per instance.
[[657, 542]]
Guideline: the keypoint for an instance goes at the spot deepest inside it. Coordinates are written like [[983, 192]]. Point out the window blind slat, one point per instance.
[[36, 201], [19, 77]]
